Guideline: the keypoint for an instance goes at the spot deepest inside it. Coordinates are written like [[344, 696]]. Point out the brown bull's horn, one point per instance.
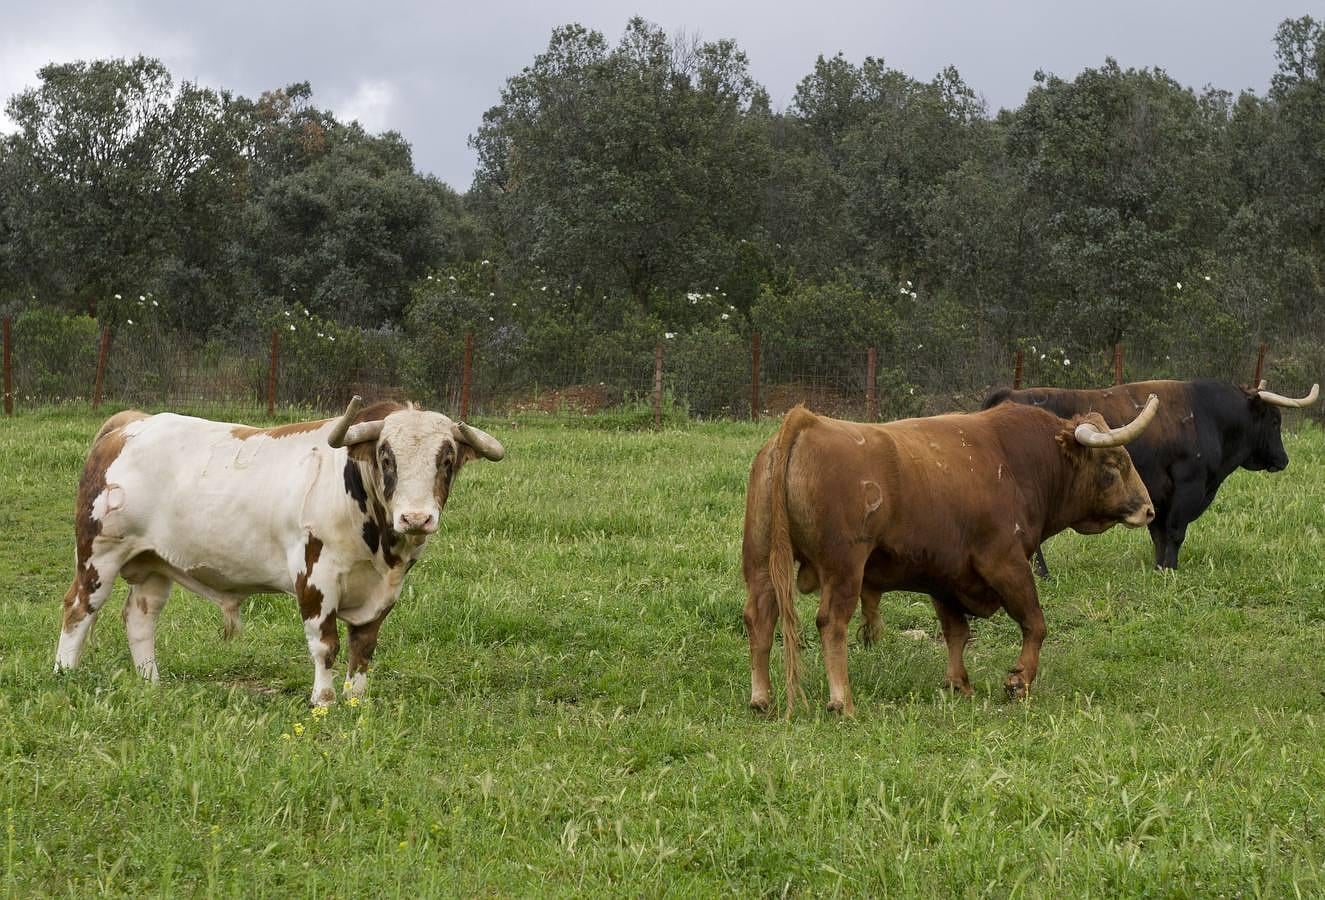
[[337, 436], [487, 446], [1279, 400], [1090, 436]]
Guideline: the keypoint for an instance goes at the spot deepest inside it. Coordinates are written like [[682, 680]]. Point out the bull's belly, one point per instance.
[[215, 576]]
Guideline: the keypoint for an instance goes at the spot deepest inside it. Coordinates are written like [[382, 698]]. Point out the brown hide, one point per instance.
[[951, 505]]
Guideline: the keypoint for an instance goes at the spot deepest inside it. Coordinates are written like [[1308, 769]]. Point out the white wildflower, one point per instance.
[[726, 316], [486, 263], [118, 297], [543, 288], [491, 319], [130, 321], [1179, 285], [1207, 278], [908, 284], [491, 294], [904, 292], [287, 314], [1066, 361], [141, 298], [292, 328], [154, 303], [913, 295], [669, 334]]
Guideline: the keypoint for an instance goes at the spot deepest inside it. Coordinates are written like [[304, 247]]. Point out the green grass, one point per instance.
[[558, 708]]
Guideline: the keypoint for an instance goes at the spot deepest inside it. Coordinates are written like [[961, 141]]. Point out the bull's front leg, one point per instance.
[[319, 595], [363, 642]]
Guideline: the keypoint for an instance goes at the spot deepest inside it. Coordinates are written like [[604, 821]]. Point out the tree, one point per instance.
[[635, 169], [349, 232], [117, 171]]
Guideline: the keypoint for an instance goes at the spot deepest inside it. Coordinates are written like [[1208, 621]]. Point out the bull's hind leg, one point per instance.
[[837, 604], [871, 623], [93, 580], [147, 597], [760, 620]]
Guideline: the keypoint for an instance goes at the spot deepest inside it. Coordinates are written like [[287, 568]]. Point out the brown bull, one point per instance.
[[951, 506]]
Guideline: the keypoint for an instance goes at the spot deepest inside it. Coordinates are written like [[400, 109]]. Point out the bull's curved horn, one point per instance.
[[337, 436], [364, 431], [1090, 436], [1279, 400], [487, 446]]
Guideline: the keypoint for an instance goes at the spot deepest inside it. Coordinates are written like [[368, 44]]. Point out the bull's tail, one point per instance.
[[781, 564]]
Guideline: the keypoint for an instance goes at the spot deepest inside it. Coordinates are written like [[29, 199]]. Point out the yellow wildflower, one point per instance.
[[298, 728], [285, 735], [354, 701], [319, 712]]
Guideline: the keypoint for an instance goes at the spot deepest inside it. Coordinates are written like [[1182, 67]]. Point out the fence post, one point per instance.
[[1260, 364], [466, 376], [102, 353], [657, 386], [871, 393], [9, 373], [272, 365], [1118, 363], [1016, 372], [754, 377]]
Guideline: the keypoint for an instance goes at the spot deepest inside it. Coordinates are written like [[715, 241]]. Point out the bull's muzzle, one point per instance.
[[419, 522], [1144, 515]]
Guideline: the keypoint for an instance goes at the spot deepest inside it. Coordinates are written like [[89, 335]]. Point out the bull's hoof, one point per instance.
[[959, 687], [844, 710], [869, 633], [1016, 687], [325, 697], [759, 704]]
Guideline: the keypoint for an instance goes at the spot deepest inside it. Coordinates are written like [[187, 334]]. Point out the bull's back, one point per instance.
[[918, 488]]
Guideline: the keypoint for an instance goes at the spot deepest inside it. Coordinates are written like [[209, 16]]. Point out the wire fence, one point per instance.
[[732, 375]]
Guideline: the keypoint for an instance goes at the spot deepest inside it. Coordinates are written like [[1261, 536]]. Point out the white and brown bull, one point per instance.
[[334, 512]]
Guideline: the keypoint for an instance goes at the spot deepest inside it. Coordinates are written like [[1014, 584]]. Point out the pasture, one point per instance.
[[558, 707]]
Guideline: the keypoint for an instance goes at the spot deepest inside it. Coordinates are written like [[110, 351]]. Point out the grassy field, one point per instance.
[[558, 708]]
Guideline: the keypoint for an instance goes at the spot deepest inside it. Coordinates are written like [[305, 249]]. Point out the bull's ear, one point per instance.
[[482, 443]]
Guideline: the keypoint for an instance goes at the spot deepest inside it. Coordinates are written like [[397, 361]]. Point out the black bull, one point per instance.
[[1205, 431]]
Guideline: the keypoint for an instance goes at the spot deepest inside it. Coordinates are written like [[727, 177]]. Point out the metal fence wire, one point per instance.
[[706, 375]]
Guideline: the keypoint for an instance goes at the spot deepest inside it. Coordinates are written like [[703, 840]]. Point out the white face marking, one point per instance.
[[415, 437]]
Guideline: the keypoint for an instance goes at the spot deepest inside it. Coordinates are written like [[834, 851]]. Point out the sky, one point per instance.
[[429, 70]]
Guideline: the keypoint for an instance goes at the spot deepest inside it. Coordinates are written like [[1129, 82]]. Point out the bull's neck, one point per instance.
[[1043, 474]]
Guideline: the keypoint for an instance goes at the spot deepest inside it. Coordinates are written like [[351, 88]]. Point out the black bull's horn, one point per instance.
[[1274, 399], [1090, 436]]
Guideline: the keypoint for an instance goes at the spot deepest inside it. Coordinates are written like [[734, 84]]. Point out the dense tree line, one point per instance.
[[648, 186]]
